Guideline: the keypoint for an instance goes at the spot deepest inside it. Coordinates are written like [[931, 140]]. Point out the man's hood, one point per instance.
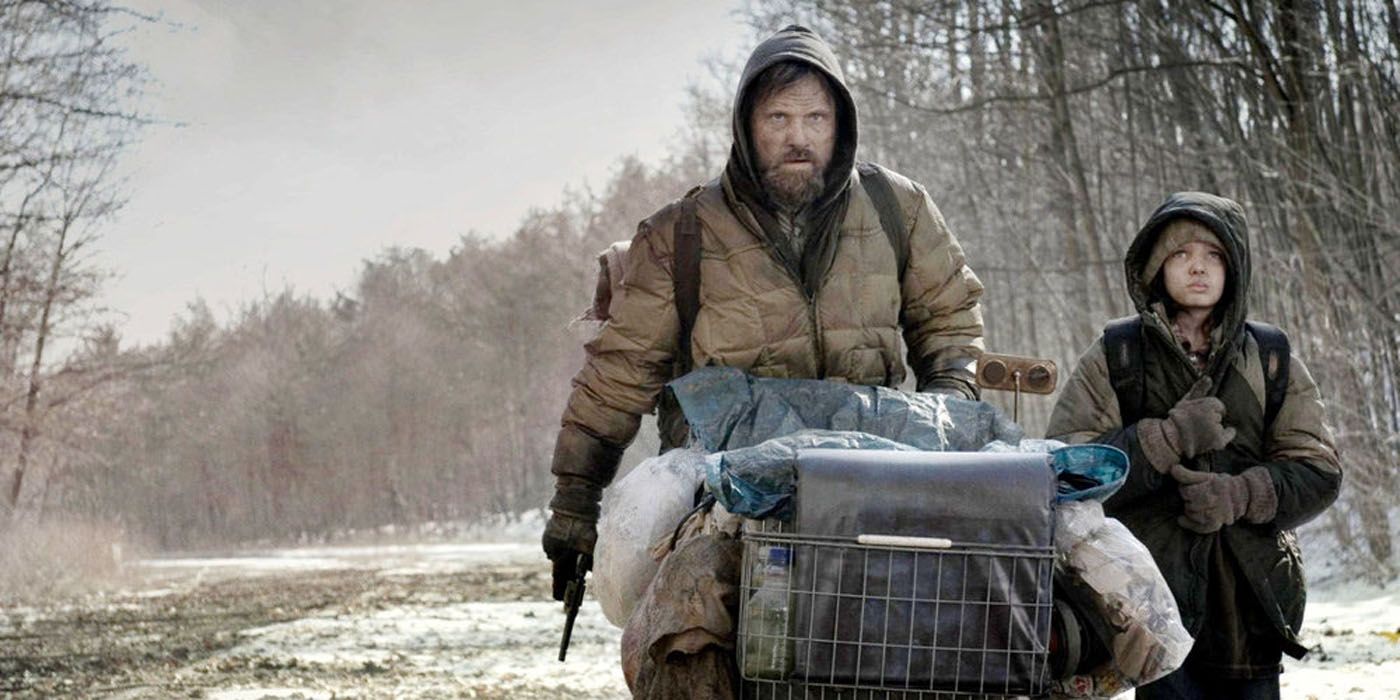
[[743, 176], [1222, 216], [794, 43]]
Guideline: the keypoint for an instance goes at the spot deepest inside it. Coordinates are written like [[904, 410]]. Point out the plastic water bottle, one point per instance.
[[768, 647]]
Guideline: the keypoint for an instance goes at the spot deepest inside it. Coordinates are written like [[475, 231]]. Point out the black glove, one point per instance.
[[1213, 501], [1193, 427], [565, 539], [572, 528], [582, 466]]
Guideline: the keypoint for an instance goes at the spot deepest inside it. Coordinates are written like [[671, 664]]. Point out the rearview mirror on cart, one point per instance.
[[1032, 375]]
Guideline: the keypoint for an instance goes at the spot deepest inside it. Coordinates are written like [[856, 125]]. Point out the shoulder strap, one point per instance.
[[877, 185], [1122, 348], [1274, 356], [685, 279]]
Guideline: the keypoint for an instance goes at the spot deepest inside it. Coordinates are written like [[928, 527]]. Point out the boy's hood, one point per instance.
[[1226, 219]]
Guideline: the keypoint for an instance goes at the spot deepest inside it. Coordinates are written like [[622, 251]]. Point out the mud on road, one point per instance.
[[362, 625]]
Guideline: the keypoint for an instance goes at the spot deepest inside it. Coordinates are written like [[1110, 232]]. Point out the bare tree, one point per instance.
[[1086, 113], [68, 96]]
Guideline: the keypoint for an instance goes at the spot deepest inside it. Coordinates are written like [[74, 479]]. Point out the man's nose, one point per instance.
[[797, 134]]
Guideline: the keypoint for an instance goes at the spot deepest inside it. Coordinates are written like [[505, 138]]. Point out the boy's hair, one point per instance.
[[1173, 235]]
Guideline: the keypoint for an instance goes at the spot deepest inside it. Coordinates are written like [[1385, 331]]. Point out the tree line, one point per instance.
[[428, 392], [1045, 130], [1048, 130]]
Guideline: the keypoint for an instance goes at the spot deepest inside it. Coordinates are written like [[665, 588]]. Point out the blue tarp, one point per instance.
[[754, 426], [1086, 472], [728, 409]]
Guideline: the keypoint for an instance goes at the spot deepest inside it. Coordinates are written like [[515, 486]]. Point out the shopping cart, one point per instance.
[[903, 575]]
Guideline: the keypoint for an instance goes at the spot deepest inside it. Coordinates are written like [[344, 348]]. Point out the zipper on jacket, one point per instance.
[[818, 346]]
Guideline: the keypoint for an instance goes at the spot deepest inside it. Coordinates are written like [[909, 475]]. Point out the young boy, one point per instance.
[[1227, 444]]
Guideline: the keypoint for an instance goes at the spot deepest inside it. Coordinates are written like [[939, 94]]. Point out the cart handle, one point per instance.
[[903, 541]]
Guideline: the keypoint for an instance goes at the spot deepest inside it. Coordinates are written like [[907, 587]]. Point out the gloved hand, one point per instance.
[[565, 539], [952, 376], [582, 466], [1213, 500], [1192, 428], [572, 528]]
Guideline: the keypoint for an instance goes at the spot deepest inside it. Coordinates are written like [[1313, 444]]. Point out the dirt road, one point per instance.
[[443, 621], [407, 622]]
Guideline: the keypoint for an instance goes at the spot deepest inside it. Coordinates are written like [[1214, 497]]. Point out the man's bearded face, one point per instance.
[[794, 132]]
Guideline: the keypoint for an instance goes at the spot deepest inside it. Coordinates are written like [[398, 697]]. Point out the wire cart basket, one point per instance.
[[891, 616]]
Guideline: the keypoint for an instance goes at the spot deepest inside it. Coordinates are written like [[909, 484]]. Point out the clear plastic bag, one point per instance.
[[642, 507], [1149, 640]]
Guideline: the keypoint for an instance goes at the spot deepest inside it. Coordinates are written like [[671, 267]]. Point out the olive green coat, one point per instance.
[[1241, 589]]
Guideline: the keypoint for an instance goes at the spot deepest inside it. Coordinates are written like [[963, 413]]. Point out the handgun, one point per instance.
[[573, 600]]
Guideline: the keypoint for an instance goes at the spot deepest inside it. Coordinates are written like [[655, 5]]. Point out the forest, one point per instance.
[[430, 390]]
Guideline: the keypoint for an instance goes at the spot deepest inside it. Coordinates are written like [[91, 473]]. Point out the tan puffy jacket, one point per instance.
[[754, 314]]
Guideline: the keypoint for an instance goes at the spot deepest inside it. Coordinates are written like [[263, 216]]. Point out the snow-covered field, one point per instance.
[[471, 621], [1353, 629]]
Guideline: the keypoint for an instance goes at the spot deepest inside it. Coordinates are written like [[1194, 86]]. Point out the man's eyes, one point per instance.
[[810, 118]]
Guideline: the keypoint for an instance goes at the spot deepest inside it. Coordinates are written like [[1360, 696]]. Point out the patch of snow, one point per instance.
[[248, 564], [496, 644], [155, 593], [262, 693], [417, 558], [1354, 630]]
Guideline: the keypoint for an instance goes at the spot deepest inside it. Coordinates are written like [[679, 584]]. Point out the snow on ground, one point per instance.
[[507, 646], [390, 559], [501, 645], [1352, 627]]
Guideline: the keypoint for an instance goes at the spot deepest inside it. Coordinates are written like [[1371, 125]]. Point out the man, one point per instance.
[[798, 279], [1227, 444]]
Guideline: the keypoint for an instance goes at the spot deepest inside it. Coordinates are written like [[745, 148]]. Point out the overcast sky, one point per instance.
[[318, 132]]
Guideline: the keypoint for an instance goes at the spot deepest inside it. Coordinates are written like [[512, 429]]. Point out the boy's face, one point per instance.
[[1195, 275]]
